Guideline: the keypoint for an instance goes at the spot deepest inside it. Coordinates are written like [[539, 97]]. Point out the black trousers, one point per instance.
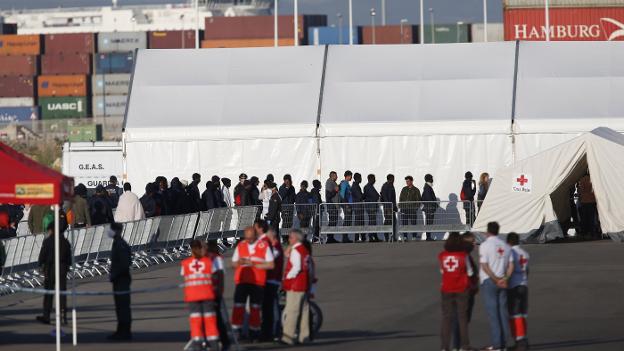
[[122, 306], [409, 216], [333, 214], [48, 284], [429, 219], [389, 220], [224, 336], [371, 211], [270, 316], [288, 213]]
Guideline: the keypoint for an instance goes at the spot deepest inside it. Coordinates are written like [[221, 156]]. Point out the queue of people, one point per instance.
[[502, 279]]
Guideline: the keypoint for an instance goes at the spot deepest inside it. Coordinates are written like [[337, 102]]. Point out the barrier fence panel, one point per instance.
[[434, 217], [363, 218], [299, 216]]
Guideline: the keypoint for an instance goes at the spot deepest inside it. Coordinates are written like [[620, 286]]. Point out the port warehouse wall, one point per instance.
[[401, 109]]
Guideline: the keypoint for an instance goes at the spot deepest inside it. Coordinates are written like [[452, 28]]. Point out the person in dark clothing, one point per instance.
[[468, 192], [315, 196], [275, 208], [13, 214], [254, 192], [240, 194], [346, 199], [193, 194], [332, 198], [208, 197], [371, 196], [47, 264], [148, 203], [114, 192], [161, 196], [212, 251], [409, 204], [247, 200], [388, 195], [218, 194], [121, 259], [358, 210], [288, 194], [430, 203], [303, 199], [179, 200], [100, 207]]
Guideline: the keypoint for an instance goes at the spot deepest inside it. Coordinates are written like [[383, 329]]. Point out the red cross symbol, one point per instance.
[[522, 180], [197, 266], [450, 264], [500, 251], [523, 261]]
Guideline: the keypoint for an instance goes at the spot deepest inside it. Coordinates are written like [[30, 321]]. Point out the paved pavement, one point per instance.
[[374, 297]]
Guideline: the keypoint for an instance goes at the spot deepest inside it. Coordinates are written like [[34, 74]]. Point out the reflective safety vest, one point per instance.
[[251, 274], [301, 282], [454, 272], [197, 274]]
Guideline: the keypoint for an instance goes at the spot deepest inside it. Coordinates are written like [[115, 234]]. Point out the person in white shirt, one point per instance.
[[518, 292], [496, 266], [225, 189], [265, 197], [129, 207]]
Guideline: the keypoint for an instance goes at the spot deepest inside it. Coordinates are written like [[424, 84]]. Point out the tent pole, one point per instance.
[[73, 287], [57, 276]]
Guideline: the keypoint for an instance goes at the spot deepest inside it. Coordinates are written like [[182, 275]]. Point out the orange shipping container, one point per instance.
[[245, 43], [12, 44], [65, 85]]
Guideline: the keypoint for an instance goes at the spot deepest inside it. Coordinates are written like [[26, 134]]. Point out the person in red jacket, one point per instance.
[[456, 271], [296, 283], [271, 321], [251, 260], [199, 293]]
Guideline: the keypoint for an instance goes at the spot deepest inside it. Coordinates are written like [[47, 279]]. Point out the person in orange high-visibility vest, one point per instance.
[[251, 259], [199, 293]]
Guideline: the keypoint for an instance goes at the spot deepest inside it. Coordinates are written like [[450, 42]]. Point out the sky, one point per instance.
[[445, 11]]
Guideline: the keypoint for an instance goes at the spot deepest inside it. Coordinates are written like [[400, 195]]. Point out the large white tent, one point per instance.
[[532, 197]]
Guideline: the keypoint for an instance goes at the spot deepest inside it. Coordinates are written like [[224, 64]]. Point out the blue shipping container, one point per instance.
[[114, 62], [18, 114], [331, 35]]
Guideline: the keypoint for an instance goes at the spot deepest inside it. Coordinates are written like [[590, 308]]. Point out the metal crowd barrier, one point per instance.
[[356, 218], [304, 217], [434, 217]]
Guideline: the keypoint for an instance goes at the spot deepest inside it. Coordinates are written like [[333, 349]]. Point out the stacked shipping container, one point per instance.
[[18, 69]]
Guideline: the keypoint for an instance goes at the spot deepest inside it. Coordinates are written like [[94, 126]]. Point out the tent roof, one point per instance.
[[24, 181]]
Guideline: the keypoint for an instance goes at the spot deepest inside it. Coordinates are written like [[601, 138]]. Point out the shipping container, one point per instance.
[[18, 114], [571, 23], [11, 65], [255, 27], [62, 85], [245, 43], [395, 34], [17, 101], [448, 33], [70, 43], [121, 41], [109, 105], [495, 32], [115, 62], [110, 84], [17, 86], [331, 35], [12, 44], [88, 133], [174, 39], [69, 63], [63, 107], [561, 3]]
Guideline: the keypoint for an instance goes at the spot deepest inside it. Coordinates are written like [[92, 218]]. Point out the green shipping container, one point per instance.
[[448, 33], [91, 132], [63, 107]]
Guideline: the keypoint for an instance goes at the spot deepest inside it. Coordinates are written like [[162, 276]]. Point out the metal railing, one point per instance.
[[434, 217], [356, 218]]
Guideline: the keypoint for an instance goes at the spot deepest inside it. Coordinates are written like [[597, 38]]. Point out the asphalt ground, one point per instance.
[[374, 297]]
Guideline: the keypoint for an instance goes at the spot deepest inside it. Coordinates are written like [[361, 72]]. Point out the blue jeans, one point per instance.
[[495, 300]]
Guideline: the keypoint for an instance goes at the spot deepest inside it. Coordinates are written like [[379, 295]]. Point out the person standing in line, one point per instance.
[[240, 195], [468, 191], [47, 263], [148, 203], [271, 321], [358, 210], [100, 206], [194, 196], [161, 196], [388, 196], [484, 186], [430, 203], [208, 199], [496, 266], [303, 200], [218, 284], [79, 208], [251, 260], [317, 200], [371, 196], [518, 293], [346, 198], [121, 260], [297, 287], [129, 207], [225, 190], [218, 194], [332, 198], [288, 194], [35, 218], [469, 242], [265, 197], [456, 272], [275, 209], [409, 204], [114, 192], [199, 294], [254, 192]]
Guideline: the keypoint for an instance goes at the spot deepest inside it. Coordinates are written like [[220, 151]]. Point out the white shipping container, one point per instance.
[[17, 102], [495, 32], [110, 84], [121, 41], [109, 105], [92, 164]]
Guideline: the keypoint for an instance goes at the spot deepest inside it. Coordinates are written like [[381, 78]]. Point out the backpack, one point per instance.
[[47, 219], [462, 195]]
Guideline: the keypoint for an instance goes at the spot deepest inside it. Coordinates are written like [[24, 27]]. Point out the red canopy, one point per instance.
[[24, 181]]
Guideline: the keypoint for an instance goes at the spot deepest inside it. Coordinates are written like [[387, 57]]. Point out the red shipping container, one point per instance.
[[66, 64], [17, 87], [69, 43], [566, 24], [388, 35], [174, 39], [18, 65], [251, 27]]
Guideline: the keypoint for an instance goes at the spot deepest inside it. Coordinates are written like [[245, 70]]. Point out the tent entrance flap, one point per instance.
[[561, 197]]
